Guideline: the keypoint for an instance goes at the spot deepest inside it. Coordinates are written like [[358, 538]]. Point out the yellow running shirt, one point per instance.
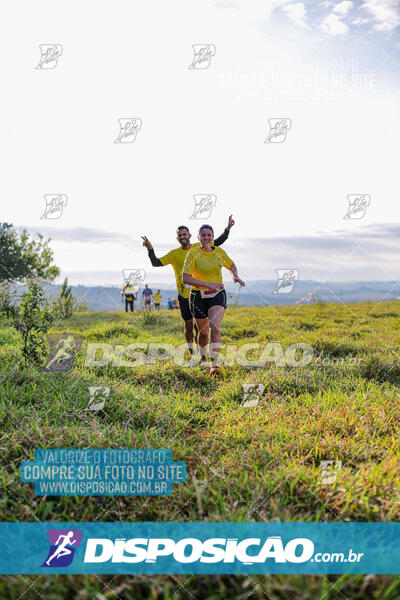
[[176, 258], [206, 266], [129, 291], [157, 298]]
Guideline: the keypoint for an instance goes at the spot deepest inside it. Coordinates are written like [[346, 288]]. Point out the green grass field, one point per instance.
[[243, 464]]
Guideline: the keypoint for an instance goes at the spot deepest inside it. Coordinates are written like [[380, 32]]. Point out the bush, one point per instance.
[[65, 304], [31, 319], [23, 258]]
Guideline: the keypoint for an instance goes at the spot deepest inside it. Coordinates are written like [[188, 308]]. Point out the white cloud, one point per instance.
[[296, 13], [385, 14], [333, 25], [343, 7], [360, 21]]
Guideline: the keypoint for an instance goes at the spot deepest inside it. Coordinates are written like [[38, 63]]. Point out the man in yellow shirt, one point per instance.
[[202, 270], [157, 300], [130, 296], [176, 258]]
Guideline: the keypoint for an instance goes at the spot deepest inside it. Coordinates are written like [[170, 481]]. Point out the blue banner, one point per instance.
[[191, 548]]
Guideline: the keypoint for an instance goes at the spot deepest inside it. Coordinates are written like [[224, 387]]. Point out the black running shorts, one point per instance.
[[200, 306], [185, 308]]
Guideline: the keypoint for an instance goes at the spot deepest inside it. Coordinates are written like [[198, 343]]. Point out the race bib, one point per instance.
[[209, 293]]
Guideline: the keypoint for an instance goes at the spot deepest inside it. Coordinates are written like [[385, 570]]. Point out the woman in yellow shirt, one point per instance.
[[202, 270]]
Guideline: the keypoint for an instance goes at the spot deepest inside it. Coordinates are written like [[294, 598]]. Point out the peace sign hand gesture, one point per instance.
[[146, 243]]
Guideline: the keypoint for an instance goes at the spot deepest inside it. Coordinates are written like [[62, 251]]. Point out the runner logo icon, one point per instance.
[[63, 543], [203, 205], [203, 54]]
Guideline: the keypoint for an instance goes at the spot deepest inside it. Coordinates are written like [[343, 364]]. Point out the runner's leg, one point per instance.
[[203, 327], [188, 331], [187, 317], [199, 309], [215, 315]]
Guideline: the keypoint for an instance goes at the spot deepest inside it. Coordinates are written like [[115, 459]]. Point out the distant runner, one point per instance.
[[176, 258], [130, 296], [157, 300], [202, 270], [147, 295]]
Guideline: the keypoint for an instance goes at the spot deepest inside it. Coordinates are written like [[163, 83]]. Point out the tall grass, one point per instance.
[[243, 464]]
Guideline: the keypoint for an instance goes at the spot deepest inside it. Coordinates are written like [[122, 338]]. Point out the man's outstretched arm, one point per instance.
[[224, 236], [156, 262]]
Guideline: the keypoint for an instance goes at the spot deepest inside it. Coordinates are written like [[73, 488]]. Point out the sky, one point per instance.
[[328, 71]]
